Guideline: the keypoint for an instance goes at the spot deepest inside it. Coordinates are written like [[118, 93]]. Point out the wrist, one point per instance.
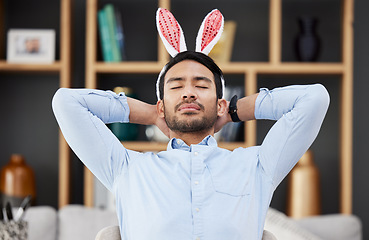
[[141, 112], [233, 110], [153, 115]]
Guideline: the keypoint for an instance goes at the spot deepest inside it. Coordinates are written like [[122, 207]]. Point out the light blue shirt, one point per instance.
[[197, 192]]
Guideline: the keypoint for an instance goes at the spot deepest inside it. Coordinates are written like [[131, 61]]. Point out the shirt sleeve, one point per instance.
[[299, 111], [82, 115]]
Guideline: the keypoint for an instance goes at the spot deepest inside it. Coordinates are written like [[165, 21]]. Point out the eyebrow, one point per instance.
[[199, 78]]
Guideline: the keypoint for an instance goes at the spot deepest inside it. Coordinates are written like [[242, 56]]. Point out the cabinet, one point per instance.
[[61, 67], [251, 71]]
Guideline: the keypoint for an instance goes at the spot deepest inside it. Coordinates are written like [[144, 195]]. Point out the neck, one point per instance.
[[191, 137]]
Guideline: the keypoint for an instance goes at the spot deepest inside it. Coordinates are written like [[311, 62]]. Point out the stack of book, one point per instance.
[[111, 34]]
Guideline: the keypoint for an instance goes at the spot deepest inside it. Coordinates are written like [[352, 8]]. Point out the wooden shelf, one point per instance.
[[145, 146], [155, 67], [161, 146], [232, 67], [17, 67], [61, 67], [283, 68], [251, 70]]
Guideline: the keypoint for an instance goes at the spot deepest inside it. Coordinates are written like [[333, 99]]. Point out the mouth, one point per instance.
[[189, 107]]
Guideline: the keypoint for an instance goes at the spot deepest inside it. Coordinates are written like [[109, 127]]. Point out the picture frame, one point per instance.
[[31, 46]]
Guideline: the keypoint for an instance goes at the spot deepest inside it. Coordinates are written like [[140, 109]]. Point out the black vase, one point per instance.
[[307, 44]]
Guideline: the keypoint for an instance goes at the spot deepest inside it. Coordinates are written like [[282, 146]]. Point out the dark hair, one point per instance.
[[200, 58]]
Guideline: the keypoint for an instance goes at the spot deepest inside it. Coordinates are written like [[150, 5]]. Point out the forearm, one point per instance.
[[111, 107], [300, 111], [141, 112], [82, 114], [245, 111], [309, 101], [105, 105], [246, 107]]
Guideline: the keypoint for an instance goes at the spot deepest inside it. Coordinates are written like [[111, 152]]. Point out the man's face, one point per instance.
[[190, 100]]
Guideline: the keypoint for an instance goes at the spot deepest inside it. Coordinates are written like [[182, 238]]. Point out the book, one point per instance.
[[104, 37], [119, 35], [110, 16], [222, 51]]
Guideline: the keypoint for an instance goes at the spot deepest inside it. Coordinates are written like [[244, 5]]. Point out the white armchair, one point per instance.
[[112, 233]]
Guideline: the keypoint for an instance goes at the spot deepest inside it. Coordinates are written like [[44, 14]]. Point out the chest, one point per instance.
[[190, 192], [182, 176]]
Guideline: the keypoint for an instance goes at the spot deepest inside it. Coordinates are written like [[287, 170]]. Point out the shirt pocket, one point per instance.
[[236, 183]]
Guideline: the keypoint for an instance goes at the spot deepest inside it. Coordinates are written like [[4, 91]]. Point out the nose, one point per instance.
[[189, 93]]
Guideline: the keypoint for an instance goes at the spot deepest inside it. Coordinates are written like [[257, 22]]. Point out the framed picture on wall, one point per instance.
[[31, 46]]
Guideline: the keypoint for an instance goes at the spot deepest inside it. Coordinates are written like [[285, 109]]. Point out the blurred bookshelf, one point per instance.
[[62, 67], [250, 71]]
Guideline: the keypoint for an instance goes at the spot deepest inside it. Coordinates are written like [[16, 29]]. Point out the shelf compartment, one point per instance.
[[302, 68], [128, 67]]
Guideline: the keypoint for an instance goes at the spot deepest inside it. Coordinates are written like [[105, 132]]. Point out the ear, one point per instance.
[[222, 107], [160, 108], [170, 32], [210, 31]]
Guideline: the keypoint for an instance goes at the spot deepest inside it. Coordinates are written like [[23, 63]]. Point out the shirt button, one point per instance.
[[197, 238], [197, 210], [196, 153], [196, 182], [178, 141]]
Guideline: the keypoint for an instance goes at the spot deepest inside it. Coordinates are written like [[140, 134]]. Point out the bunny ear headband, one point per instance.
[[173, 38]]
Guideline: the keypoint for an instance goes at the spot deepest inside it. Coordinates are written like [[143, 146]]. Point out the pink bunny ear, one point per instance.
[[170, 32], [210, 31]]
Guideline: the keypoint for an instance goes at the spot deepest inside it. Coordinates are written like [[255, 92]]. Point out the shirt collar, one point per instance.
[[175, 143]]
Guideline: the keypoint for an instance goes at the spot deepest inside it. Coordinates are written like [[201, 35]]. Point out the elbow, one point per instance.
[[320, 97], [324, 98], [59, 99]]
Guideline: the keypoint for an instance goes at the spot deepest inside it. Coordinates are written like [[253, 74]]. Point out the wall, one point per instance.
[[28, 125], [361, 114]]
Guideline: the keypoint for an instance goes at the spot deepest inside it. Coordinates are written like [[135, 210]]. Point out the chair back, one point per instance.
[[109, 233], [112, 233]]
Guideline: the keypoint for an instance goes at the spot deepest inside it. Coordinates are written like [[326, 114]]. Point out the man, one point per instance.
[[194, 190]]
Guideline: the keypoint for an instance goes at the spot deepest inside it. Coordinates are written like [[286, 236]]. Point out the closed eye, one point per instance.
[[172, 88], [202, 87]]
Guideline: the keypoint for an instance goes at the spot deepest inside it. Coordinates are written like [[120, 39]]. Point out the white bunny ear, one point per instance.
[[170, 32], [210, 31]]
